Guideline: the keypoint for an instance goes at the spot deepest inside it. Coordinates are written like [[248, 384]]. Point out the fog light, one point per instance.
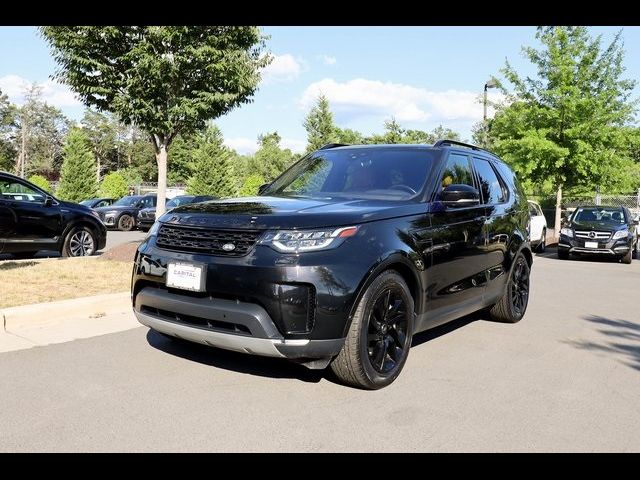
[[296, 307]]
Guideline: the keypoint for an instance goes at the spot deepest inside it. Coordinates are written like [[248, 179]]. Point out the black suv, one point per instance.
[[32, 220], [343, 258], [122, 214], [597, 230]]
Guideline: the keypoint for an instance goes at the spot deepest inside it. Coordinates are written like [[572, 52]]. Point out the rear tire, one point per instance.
[[126, 223], [379, 338], [542, 246], [563, 254], [513, 304]]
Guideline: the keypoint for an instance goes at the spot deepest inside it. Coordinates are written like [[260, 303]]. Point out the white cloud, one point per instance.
[[245, 146], [361, 98], [53, 93], [242, 145], [283, 68], [296, 146], [329, 59]]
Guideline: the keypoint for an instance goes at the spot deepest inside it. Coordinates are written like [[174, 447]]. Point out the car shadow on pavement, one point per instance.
[[237, 362], [617, 331], [433, 333]]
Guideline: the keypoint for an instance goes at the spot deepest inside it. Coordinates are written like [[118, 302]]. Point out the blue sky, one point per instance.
[[422, 76]]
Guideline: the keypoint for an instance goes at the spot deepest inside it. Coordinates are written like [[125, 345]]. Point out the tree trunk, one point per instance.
[[98, 170], [556, 226], [23, 150], [161, 159]]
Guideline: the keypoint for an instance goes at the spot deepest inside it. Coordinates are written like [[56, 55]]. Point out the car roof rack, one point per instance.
[[440, 143], [333, 145]]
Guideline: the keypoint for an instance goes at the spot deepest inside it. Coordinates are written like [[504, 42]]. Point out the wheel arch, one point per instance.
[[401, 263]]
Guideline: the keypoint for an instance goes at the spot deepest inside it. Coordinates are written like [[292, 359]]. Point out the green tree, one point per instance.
[[270, 160], [165, 79], [113, 185], [565, 125], [102, 131], [251, 184], [213, 172], [7, 119], [181, 158], [78, 178], [41, 182], [349, 136], [319, 125]]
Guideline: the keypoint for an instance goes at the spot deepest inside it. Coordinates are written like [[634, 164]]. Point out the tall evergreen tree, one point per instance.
[[270, 160], [78, 178], [213, 172], [319, 125]]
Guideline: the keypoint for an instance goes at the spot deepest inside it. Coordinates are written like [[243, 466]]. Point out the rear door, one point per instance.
[[499, 225], [456, 278]]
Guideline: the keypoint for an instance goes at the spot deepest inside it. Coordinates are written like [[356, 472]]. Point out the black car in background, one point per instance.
[[32, 219], [343, 258], [147, 216], [123, 213], [598, 230], [98, 202]]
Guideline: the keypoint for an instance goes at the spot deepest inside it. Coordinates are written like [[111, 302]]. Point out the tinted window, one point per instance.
[[18, 191], [128, 201], [148, 202], [532, 210], [376, 173], [489, 184], [612, 216], [457, 171]]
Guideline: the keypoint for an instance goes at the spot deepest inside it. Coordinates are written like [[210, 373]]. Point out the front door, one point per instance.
[[32, 225], [456, 277]]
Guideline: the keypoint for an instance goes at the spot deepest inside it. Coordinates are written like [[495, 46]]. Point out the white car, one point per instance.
[[537, 228]]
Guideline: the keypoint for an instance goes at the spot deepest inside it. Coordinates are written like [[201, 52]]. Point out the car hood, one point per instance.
[[278, 212], [149, 210], [599, 226], [118, 208], [75, 206]]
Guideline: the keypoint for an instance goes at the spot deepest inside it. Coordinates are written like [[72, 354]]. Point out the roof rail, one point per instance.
[[440, 143], [333, 145]]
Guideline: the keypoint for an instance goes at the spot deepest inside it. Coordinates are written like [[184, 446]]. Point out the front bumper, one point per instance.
[[231, 325], [617, 247], [144, 222]]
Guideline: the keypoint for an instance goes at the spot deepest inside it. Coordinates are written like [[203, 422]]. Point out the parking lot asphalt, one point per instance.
[[565, 378], [114, 238]]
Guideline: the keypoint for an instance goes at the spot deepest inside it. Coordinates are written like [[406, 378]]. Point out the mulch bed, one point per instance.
[[121, 253]]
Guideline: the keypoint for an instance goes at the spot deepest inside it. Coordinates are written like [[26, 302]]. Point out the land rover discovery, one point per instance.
[[343, 258]]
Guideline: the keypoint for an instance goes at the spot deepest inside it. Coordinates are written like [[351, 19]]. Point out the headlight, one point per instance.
[[153, 230], [297, 241], [620, 234], [567, 232], [110, 213]]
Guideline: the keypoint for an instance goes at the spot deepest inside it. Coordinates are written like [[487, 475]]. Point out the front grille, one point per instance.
[[227, 327], [596, 235], [199, 240]]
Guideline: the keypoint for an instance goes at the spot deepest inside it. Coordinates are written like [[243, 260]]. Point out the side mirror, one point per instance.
[[48, 201], [458, 195], [263, 187]]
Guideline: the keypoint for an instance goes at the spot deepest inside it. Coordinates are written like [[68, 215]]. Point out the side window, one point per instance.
[[457, 171], [103, 203], [19, 192], [532, 210], [151, 201], [490, 186], [539, 210]]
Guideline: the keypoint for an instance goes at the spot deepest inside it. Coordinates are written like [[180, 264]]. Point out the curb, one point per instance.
[[52, 313]]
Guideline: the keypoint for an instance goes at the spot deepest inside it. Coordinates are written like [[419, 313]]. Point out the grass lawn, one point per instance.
[[22, 283]]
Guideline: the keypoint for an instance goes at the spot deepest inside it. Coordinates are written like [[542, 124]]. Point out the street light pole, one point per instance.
[[491, 83]]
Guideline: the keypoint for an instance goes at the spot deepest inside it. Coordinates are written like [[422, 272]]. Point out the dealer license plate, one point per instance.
[[186, 276], [591, 244]]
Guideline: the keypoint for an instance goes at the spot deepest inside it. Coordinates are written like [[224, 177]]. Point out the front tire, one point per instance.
[[126, 223], [563, 254], [626, 258], [379, 338], [80, 242], [513, 304]]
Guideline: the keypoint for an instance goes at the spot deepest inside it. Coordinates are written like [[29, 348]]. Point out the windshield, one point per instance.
[[610, 216], [127, 201], [177, 201], [86, 203], [391, 173]]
